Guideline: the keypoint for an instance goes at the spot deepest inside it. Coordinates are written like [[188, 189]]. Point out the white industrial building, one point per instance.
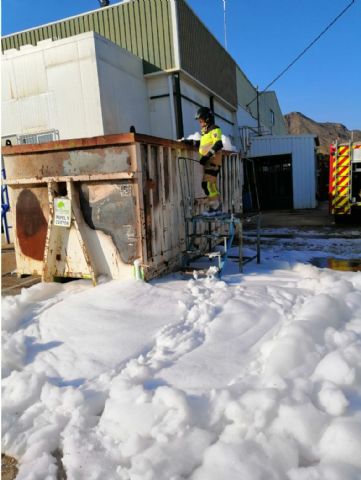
[[76, 84], [85, 85]]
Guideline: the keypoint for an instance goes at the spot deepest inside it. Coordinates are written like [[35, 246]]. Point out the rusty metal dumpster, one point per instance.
[[88, 207]]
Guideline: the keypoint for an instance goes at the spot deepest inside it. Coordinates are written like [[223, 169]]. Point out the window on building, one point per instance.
[[42, 137], [272, 117]]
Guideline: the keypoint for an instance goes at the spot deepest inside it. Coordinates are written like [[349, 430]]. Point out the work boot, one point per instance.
[[214, 208]]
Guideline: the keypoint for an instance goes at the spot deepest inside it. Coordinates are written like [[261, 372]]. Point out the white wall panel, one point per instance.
[[30, 75], [160, 111], [67, 53], [53, 86], [223, 111], [123, 89], [35, 112], [197, 95], [191, 125], [161, 118]]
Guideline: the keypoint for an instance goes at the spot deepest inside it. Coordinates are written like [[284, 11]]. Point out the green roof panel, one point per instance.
[[143, 27]]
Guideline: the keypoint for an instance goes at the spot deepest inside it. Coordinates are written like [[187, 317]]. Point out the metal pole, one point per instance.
[[258, 118], [259, 238], [255, 185], [225, 24], [240, 248]]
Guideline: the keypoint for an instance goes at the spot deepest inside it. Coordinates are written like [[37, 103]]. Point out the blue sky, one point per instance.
[[263, 37]]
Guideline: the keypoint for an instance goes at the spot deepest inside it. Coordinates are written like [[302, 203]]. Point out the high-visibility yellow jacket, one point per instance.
[[211, 145]]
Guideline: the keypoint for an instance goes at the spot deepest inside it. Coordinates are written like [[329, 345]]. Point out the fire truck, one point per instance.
[[345, 179]]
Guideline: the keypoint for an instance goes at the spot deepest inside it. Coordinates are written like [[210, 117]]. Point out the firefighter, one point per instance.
[[210, 147]]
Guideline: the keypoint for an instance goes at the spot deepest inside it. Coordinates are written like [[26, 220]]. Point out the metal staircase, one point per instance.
[[209, 239], [213, 247]]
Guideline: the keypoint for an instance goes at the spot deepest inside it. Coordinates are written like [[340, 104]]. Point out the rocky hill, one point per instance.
[[327, 132]]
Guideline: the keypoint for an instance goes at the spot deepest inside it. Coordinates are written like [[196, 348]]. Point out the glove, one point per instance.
[[203, 160]]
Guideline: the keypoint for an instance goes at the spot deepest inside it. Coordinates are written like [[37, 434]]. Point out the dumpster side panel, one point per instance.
[[29, 208], [31, 221], [114, 246], [171, 192], [163, 192], [111, 208], [72, 162], [231, 183]]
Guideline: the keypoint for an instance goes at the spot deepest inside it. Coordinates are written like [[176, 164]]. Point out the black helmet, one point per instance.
[[205, 114]]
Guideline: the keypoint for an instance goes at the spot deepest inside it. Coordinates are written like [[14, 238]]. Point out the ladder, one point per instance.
[[204, 233], [232, 226]]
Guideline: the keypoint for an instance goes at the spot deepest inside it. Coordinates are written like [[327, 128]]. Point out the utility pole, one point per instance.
[[225, 24], [258, 119]]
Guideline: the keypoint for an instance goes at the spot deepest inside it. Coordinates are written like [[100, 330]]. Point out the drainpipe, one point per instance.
[[178, 105], [211, 103], [171, 105]]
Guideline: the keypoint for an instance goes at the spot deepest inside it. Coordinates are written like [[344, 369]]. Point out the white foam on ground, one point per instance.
[[256, 376]]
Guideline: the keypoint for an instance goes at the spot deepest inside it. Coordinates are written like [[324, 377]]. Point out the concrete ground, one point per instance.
[[316, 217], [8, 263], [310, 220], [10, 283]]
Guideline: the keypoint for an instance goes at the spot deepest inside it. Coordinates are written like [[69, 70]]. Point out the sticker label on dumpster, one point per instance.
[[125, 190], [62, 212]]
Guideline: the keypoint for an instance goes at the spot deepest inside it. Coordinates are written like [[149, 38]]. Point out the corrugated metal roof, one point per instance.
[[203, 56], [143, 27]]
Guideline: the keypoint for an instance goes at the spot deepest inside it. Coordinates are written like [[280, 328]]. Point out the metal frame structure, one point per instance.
[[5, 206], [53, 243], [221, 227]]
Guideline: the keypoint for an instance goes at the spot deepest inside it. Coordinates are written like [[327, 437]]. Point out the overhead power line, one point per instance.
[[303, 51]]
